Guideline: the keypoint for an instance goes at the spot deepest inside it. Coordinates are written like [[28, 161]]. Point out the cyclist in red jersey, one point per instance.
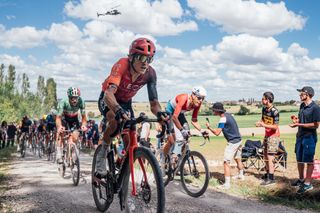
[[127, 76], [181, 104]]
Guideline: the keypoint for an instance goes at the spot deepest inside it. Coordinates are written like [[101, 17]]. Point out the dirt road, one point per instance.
[[37, 187]]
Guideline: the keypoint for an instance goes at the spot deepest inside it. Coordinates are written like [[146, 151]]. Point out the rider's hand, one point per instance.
[[84, 128], [61, 129], [185, 133], [162, 116], [121, 114]]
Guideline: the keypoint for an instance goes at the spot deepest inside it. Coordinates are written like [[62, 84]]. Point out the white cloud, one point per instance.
[[251, 17], [159, 18], [24, 37], [247, 49], [297, 50], [10, 17]]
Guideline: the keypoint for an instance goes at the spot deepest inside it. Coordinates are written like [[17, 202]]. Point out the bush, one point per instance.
[[243, 110]]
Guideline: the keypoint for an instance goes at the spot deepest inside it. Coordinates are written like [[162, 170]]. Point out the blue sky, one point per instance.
[[235, 49]]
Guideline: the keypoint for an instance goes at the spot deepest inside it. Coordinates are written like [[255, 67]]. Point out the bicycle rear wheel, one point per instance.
[[194, 174], [102, 189], [150, 191], [75, 165]]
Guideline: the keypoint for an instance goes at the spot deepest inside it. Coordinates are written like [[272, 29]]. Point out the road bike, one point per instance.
[[191, 166], [144, 191], [70, 157]]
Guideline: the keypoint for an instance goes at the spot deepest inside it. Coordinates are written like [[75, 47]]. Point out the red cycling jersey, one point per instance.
[[180, 105], [120, 75]]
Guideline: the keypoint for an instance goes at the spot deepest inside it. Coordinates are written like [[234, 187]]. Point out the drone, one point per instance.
[[112, 12]]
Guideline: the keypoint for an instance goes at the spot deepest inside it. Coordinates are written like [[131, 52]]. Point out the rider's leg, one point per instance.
[[59, 147], [112, 126]]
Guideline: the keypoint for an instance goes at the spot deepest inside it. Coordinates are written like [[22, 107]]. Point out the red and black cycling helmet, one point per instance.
[[142, 46]]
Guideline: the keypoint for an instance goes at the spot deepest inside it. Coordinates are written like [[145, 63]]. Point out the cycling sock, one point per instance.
[[227, 180], [241, 172]]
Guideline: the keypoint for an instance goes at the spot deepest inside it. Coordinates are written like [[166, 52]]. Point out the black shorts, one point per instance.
[[70, 123], [183, 121]]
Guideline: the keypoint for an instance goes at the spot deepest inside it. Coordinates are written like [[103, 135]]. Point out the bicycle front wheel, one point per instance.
[[150, 193], [194, 174], [75, 165]]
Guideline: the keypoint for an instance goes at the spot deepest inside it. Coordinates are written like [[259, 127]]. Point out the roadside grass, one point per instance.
[[5, 156]]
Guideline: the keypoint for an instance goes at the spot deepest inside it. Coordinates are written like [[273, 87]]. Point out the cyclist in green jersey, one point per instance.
[[67, 117]]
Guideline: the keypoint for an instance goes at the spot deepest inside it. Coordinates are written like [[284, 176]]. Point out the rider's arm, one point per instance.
[[153, 94], [194, 120], [110, 98]]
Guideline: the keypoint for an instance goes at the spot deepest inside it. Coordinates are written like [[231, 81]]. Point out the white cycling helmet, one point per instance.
[[199, 91], [53, 112]]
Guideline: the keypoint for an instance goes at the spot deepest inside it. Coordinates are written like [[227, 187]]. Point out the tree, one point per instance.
[[10, 79], [25, 87], [41, 89], [50, 100], [243, 110]]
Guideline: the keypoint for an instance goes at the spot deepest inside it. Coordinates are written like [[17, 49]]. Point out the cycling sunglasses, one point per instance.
[[144, 58], [200, 98]]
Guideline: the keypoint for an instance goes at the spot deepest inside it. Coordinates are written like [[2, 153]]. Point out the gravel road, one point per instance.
[[37, 187]]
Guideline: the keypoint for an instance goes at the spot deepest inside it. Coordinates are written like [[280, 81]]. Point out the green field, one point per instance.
[[243, 121]]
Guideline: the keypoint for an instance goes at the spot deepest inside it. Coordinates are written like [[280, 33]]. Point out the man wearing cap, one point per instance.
[[228, 126], [269, 120], [306, 138]]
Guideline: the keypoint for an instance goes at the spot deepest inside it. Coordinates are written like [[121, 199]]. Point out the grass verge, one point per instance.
[[5, 156]]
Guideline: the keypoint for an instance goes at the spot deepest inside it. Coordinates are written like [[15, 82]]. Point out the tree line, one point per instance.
[[17, 100]]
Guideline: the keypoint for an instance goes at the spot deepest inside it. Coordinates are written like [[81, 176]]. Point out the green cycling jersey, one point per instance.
[[65, 109]]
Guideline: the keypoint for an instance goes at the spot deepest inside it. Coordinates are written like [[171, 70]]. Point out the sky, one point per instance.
[[234, 48]]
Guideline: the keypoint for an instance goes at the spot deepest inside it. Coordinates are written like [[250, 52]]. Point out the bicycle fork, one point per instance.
[[131, 161]]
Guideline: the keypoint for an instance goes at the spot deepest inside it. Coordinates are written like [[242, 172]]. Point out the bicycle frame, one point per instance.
[[132, 145]]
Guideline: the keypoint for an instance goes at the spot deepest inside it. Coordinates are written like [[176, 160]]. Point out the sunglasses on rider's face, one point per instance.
[[200, 98], [144, 58], [74, 98]]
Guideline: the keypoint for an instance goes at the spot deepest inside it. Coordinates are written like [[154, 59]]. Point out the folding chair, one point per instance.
[[280, 160], [252, 155]]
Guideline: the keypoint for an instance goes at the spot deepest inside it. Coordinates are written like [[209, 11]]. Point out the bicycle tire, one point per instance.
[[194, 172], [168, 171], [101, 204], [147, 155], [75, 164], [22, 148]]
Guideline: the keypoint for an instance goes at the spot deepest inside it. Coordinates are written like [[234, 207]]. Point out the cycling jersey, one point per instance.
[[120, 75], [69, 114], [25, 125], [68, 111], [51, 123], [270, 116], [180, 104]]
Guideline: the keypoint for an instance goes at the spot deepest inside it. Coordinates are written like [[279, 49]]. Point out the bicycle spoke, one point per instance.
[[147, 182]]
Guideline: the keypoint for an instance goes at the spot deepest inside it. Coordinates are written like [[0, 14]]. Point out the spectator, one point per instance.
[[228, 126], [306, 138], [3, 134], [270, 121], [11, 132], [95, 134]]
